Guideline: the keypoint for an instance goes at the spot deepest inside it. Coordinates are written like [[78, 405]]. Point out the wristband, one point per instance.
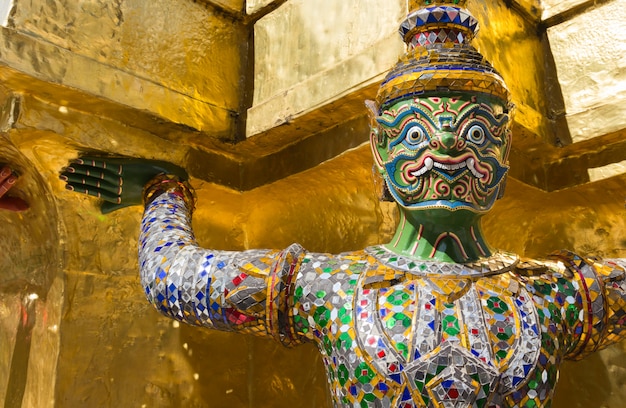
[[169, 183]]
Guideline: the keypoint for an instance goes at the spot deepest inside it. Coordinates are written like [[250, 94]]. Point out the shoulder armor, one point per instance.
[[532, 267]]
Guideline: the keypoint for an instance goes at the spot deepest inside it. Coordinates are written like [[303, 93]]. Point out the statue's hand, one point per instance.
[[7, 179], [118, 181]]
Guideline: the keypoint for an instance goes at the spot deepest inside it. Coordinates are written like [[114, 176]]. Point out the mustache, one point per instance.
[[487, 170]]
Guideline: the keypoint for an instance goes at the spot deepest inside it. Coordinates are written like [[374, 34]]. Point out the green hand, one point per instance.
[[118, 181]]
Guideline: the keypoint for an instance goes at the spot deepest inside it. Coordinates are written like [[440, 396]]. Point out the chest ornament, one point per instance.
[[453, 342]]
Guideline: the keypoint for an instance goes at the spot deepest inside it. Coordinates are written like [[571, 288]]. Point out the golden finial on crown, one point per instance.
[[440, 59], [438, 22]]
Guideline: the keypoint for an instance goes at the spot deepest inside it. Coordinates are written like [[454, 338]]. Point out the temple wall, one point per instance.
[[303, 60], [151, 57], [172, 81], [588, 71]]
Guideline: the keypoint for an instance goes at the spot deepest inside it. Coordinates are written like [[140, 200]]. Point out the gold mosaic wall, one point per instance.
[[587, 72], [344, 61], [171, 80]]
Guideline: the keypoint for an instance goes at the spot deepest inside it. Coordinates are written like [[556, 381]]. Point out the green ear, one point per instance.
[[380, 156]]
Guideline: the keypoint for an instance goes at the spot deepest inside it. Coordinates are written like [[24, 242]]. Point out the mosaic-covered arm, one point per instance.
[[602, 286], [245, 291]]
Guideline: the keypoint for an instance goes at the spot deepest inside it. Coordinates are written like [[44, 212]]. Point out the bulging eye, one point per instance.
[[476, 135], [415, 135]]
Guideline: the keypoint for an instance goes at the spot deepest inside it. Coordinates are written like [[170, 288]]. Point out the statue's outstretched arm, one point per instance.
[[602, 289], [8, 178], [228, 290]]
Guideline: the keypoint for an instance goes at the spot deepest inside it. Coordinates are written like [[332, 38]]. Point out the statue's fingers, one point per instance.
[[91, 183], [87, 170], [110, 164], [90, 171], [7, 183], [103, 194], [5, 172]]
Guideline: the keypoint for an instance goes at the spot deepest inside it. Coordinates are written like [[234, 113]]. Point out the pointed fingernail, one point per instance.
[[68, 187], [5, 172], [62, 177], [70, 170]]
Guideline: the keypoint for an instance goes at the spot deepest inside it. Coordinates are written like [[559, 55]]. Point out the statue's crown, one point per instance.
[[440, 58], [438, 22]]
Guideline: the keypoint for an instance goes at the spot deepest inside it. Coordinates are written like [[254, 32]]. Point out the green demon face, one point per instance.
[[448, 153]]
